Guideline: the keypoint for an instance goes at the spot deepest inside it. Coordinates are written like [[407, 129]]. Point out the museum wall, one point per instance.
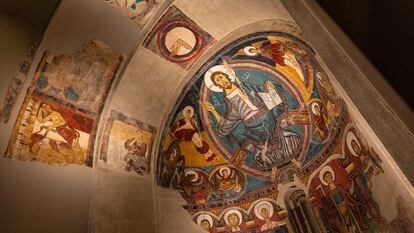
[[37, 197]]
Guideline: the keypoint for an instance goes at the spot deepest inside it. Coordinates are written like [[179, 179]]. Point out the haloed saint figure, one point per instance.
[[253, 116]]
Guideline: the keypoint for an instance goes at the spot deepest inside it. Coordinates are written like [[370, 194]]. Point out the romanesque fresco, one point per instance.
[[260, 142], [16, 84], [58, 119], [177, 38], [140, 11], [127, 144]]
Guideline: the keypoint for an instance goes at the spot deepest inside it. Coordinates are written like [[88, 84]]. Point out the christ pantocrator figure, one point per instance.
[[261, 110]]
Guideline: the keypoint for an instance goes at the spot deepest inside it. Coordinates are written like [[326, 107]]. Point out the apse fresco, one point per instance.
[[177, 38], [127, 144], [140, 11], [58, 119], [259, 142]]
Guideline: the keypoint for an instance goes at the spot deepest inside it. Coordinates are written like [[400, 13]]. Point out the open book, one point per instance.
[[271, 99]]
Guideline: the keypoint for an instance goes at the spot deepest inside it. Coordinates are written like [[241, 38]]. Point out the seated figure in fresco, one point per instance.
[[264, 136], [186, 129], [136, 156], [227, 182], [196, 186], [54, 128]]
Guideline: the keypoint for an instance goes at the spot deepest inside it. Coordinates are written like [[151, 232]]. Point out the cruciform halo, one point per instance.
[[218, 68]]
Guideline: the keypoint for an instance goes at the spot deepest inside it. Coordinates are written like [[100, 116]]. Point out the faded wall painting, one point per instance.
[[127, 144], [177, 38], [57, 122], [140, 11], [17, 82], [259, 142]]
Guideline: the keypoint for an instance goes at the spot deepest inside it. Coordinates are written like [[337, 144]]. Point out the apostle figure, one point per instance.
[[206, 222], [260, 110], [186, 129], [267, 220], [352, 213], [234, 221]]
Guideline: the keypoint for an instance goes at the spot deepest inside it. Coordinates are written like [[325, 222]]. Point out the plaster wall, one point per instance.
[[37, 197]]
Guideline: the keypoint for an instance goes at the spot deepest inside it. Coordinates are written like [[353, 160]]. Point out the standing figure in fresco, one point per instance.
[[136, 156], [172, 166], [54, 128], [328, 96], [321, 127], [234, 222], [264, 136], [371, 163], [186, 129], [227, 182], [362, 182], [264, 211], [352, 212]]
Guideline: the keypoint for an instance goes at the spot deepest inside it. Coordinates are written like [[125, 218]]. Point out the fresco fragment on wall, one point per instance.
[[140, 11], [177, 38], [127, 144], [259, 142], [17, 82], [57, 122]]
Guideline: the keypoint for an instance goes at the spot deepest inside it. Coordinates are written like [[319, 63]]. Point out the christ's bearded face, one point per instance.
[[221, 80]]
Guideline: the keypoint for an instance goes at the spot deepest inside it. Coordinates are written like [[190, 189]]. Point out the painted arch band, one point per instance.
[[253, 139]]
